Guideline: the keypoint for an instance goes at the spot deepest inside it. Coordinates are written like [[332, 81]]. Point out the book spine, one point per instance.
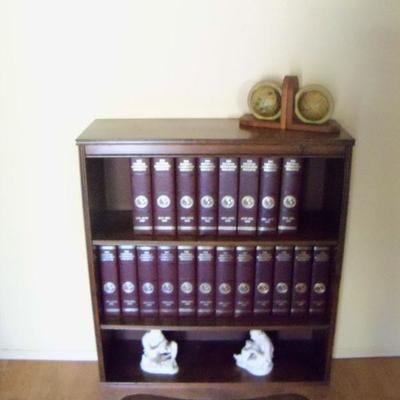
[[270, 179], [224, 281], [141, 195], [244, 287], [290, 194], [164, 196], [186, 195], [205, 281], [282, 279], [248, 195], [228, 193], [167, 280], [187, 280], [208, 195], [263, 282], [147, 274], [128, 281], [301, 279], [109, 281], [320, 280]]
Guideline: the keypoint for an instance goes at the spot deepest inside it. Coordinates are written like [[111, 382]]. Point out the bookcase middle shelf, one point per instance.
[[266, 322]]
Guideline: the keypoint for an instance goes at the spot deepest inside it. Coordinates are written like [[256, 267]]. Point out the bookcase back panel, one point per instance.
[[118, 183]]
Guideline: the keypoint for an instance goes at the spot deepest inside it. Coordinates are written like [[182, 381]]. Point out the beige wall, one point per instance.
[[64, 63]]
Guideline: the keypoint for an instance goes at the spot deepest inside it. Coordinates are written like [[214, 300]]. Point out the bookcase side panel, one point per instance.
[[338, 260], [93, 278]]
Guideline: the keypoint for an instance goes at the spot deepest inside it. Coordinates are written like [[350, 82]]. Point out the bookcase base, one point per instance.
[[211, 391]]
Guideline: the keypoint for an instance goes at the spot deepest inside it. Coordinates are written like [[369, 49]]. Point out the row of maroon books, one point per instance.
[[214, 281], [211, 195]]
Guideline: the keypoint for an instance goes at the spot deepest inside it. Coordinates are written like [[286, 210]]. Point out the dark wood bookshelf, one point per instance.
[[303, 346]]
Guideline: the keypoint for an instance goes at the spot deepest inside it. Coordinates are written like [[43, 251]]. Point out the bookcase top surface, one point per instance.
[[197, 131]]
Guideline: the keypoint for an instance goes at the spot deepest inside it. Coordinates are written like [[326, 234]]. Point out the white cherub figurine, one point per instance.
[[158, 354], [256, 355]]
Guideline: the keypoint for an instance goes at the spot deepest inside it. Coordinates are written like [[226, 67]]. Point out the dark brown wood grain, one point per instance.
[[207, 367], [289, 87]]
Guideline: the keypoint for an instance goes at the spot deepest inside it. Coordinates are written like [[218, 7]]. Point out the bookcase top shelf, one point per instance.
[[197, 131]]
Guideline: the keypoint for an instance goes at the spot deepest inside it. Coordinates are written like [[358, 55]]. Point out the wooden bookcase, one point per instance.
[[207, 369]]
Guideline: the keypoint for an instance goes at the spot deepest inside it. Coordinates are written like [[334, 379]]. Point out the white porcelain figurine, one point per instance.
[[158, 354], [256, 355]]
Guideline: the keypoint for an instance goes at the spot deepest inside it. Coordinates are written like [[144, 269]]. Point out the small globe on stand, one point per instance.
[[264, 100], [313, 104]]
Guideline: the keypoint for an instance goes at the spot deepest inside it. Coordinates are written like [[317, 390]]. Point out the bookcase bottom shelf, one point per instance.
[[211, 362]]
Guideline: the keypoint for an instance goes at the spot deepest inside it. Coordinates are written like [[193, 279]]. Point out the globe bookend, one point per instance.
[[289, 109], [256, 355], [159, 355]]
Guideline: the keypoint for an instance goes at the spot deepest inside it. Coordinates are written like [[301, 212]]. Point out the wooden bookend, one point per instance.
[[289, 88], [288, 119]]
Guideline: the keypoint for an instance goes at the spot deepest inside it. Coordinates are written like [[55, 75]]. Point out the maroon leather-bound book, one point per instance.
[[187, 280], [163, 181], [225, 280], [228, 195], [301, 279], [270, 179], [208, 195], [282, 280], [141, 195], [263, 282], [320, 280], [109, 281], [128, 280], [248, 196], [205, 281], [167, 268], [290, 194], [148, 281], [244, 286], [186, 195]]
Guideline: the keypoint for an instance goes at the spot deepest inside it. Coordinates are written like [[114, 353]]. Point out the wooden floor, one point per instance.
[[363, 379]]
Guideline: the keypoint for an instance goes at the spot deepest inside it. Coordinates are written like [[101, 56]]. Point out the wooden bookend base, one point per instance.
[[288, 120], [250, 121]]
